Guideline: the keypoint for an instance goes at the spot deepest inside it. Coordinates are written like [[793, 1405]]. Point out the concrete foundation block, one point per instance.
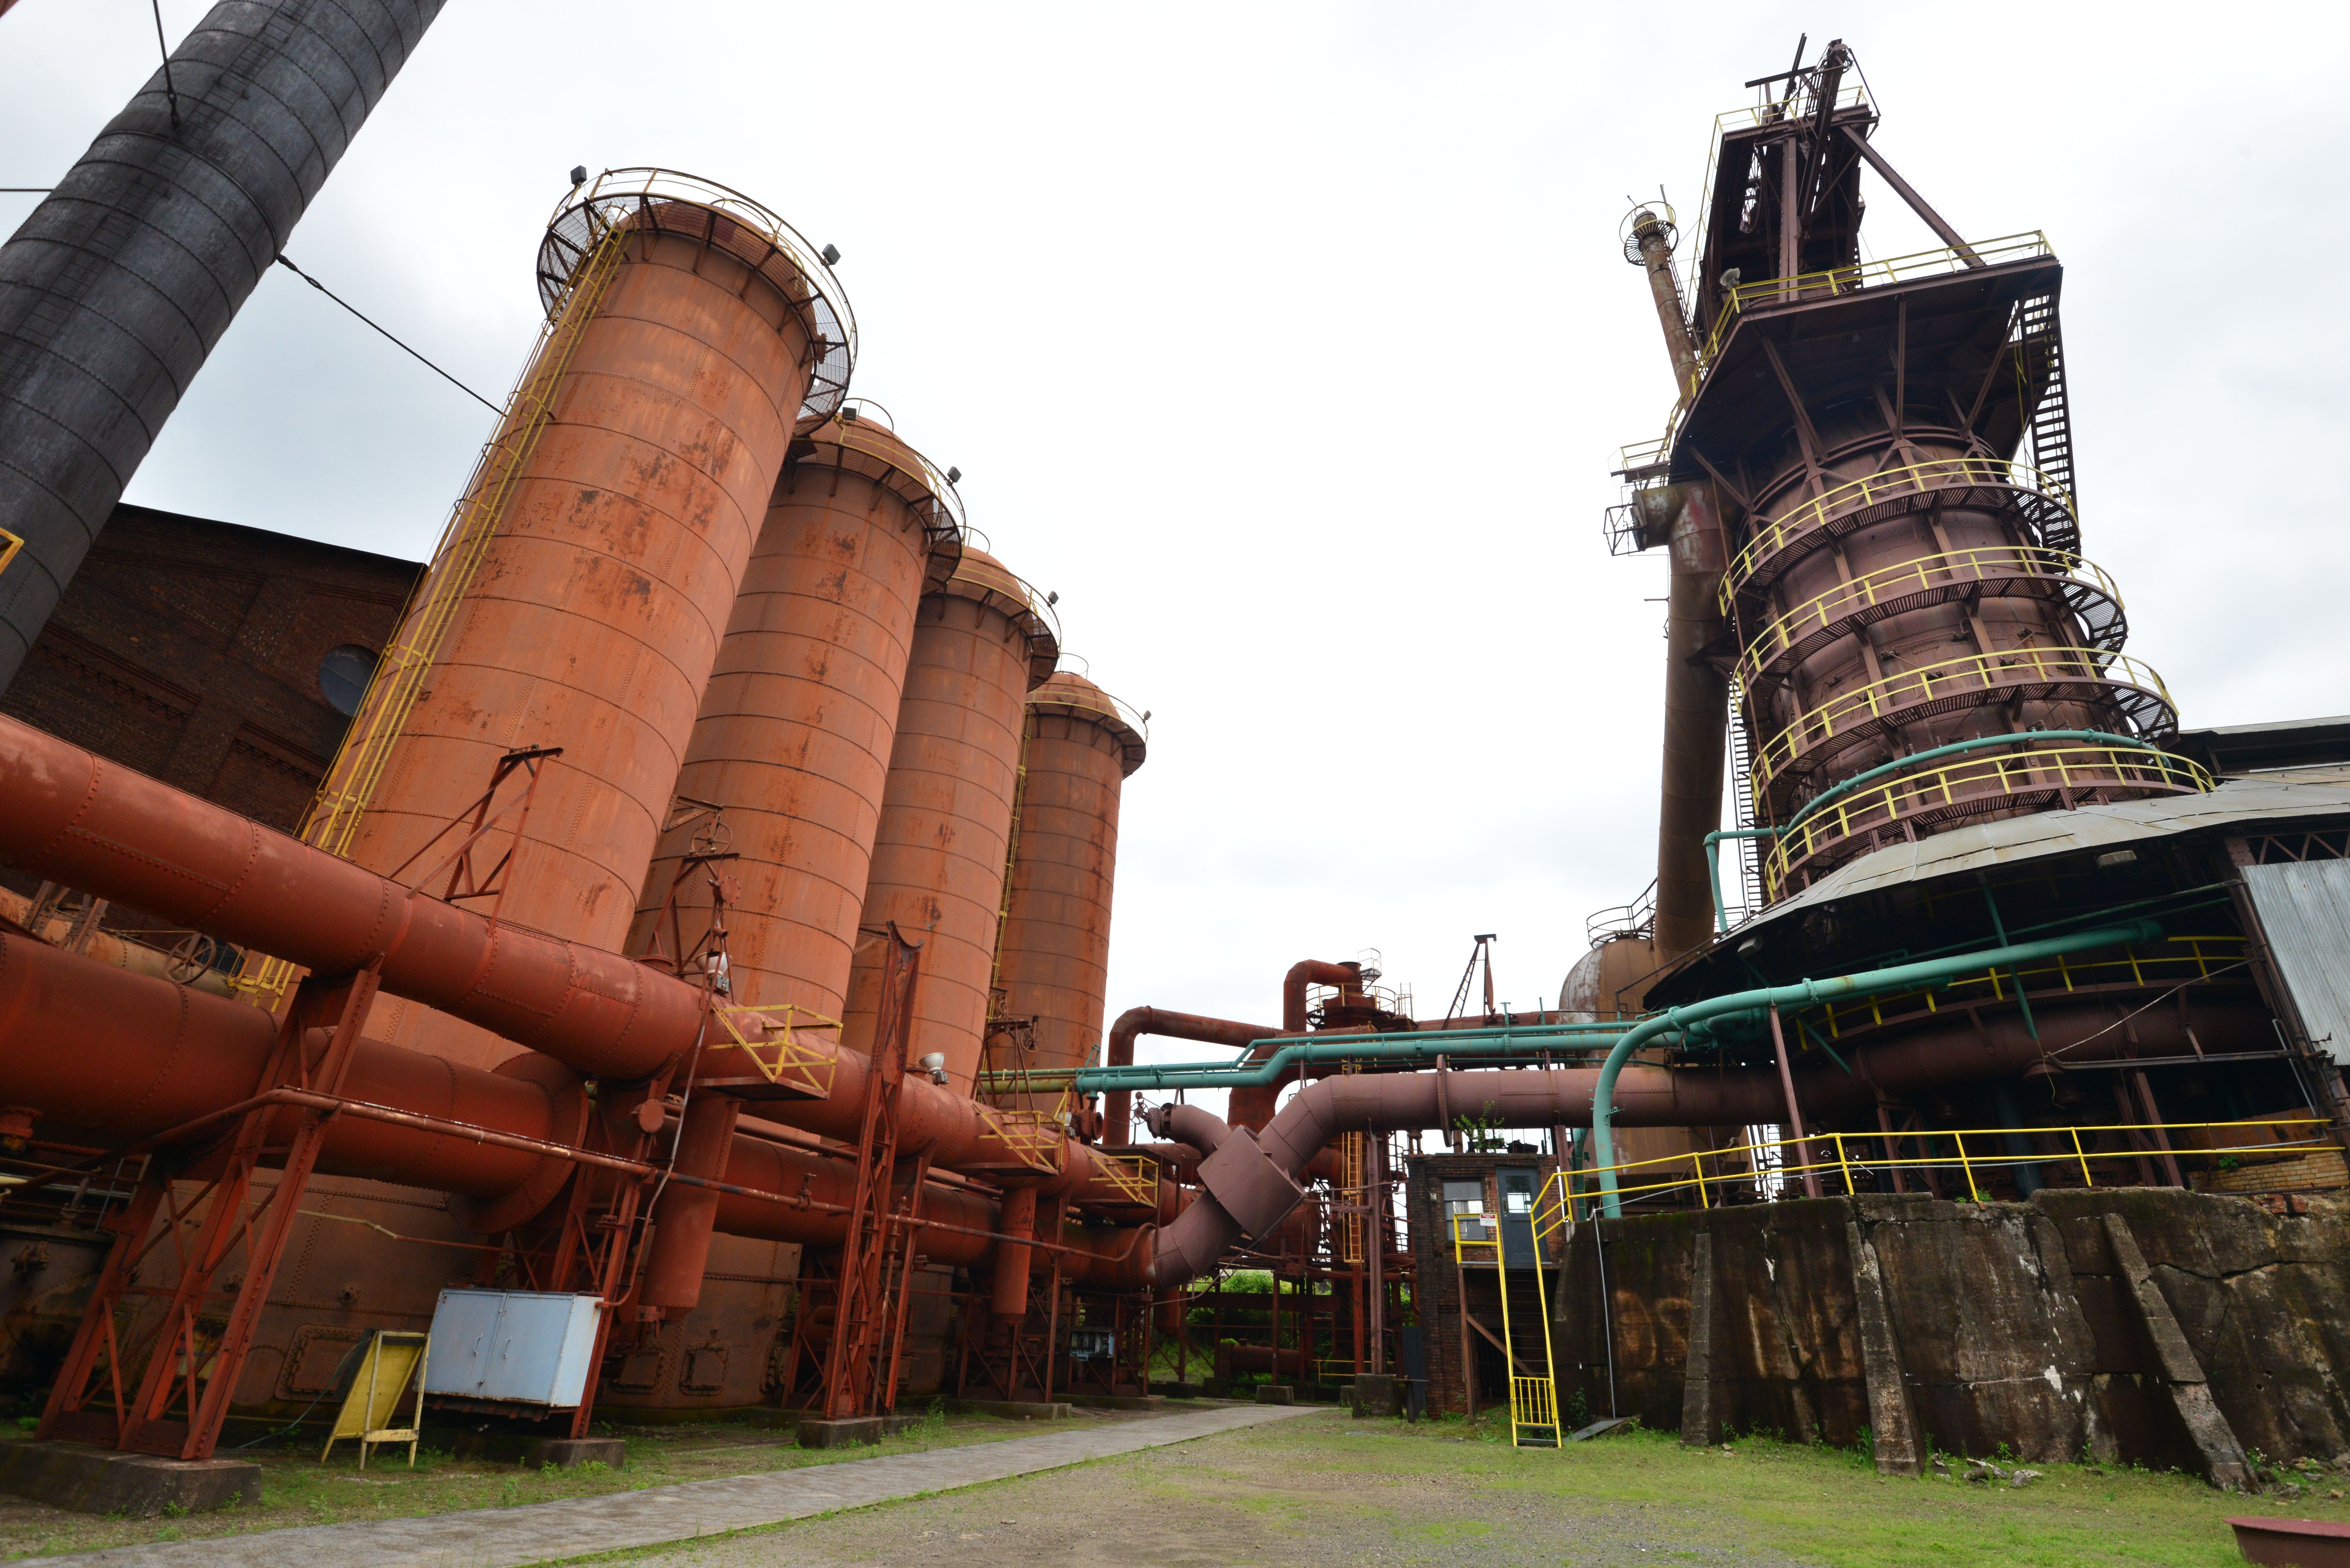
[[842, 1433], [852, 1429], [1376, 1396], [1275, 1394], [136, 1486], [1120, 1401], [540, 1453]]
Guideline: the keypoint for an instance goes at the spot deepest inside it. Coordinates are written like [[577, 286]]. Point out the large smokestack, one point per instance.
[[1697, 693], [118, 286]]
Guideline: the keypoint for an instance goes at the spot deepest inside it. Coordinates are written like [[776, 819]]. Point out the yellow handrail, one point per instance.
[[1852, 279], [1533, 1401], [1925, 683], [1828, 1152], [784, 1058], [1911, 479], [1135, 1175], [2070, 767], [1954, 569]]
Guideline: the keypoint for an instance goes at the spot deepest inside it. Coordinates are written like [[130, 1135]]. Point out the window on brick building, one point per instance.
[[1465, 1197], [343, 676]]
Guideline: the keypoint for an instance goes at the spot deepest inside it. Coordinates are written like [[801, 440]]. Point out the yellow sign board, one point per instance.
[[394, 1362]]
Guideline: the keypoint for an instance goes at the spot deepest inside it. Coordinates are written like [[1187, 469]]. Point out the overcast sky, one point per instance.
[[1293, 345]]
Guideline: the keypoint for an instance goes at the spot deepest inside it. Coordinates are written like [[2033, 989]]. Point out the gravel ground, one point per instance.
[[1325, 1490], [1308, 1492]]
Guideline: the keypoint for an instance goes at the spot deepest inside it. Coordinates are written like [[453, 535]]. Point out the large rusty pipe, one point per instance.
[[1117, 1105], [1697, 719], [683, 1216], [121, 1057], [1008, 1296], [75, 818], [1249, 1190]]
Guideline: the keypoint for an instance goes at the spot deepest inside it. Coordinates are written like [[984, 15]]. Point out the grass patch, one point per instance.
[[1811, 1504]]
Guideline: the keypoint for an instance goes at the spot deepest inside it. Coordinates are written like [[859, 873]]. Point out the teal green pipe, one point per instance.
[[1714, 867], [1424, 1046], [1810, 994]]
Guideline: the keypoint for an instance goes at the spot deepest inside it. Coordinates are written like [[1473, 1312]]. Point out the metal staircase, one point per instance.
[[1741, 790], [2040, 361]]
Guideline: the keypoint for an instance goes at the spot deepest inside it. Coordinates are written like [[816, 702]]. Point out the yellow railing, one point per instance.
[[1033, 1139], [1533, 1401], [1135, 1177], [1908, 688], [1643, 454], [2184, 958], [1955, 570], [1839, 1156], [350, 783], [896, 455], [1852, 279], [2065, 767], [1854, 495], [9, 545], [784, 1058]]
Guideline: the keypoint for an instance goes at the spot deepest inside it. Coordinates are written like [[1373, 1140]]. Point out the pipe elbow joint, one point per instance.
[[1248, 1184]]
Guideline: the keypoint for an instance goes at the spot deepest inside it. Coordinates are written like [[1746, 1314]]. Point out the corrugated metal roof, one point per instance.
[[2304, 907], [2305, 793]]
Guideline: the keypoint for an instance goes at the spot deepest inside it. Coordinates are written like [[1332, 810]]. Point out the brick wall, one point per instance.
[[189, 650]]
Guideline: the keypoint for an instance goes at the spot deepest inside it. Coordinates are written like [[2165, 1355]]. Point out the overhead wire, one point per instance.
[[170, 91], [288, 263]]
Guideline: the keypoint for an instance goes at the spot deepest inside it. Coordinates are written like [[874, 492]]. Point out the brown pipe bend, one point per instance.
[[1117, 1105], [1253, 1107], [1649, 1095]]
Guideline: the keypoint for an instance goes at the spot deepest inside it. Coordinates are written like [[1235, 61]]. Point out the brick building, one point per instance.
[[221, 660], [1458, 1291]]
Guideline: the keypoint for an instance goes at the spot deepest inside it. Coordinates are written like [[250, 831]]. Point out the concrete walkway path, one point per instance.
[[654, 1516]]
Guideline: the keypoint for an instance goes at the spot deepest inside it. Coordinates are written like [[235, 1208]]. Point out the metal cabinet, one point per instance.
[[515, 1348]]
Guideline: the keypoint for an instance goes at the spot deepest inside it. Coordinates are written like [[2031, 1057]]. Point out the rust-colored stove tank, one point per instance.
[[692, 329], [1053, 960], [796, 729], [980, 643]]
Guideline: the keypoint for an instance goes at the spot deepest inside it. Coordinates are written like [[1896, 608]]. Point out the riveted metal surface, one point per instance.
[[1055, 964], [946, 816], [794, 731], [2009, 635], [596, 616]]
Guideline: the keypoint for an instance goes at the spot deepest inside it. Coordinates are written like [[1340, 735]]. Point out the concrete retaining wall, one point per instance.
[[2151, 1325]]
